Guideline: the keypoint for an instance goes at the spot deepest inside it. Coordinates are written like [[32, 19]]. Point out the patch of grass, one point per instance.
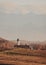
[[26, 52]]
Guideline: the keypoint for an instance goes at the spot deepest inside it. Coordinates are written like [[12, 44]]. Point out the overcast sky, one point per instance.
[[24, 19]]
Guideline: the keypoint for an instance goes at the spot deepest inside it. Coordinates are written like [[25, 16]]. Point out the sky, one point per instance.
[[23, 19]]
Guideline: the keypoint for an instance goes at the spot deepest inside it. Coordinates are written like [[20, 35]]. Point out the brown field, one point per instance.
[[21, 56]]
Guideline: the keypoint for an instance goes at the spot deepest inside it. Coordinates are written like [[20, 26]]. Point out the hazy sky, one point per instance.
[[24, 19]]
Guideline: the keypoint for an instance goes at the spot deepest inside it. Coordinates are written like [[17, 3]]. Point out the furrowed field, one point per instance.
[[22, 56]]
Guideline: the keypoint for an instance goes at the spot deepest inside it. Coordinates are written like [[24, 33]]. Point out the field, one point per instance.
[[21, 56]]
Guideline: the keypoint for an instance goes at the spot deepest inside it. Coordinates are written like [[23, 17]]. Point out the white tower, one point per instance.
[[18, 41]]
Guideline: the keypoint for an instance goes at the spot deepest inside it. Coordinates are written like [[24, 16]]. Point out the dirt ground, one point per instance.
[[18, 59]]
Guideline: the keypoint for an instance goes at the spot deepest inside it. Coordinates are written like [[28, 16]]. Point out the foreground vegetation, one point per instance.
[[22, 56]]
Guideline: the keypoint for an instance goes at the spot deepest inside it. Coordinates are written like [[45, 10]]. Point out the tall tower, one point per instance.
[[18, 41]]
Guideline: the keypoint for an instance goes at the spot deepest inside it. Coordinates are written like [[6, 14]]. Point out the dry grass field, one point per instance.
[[21, 56]]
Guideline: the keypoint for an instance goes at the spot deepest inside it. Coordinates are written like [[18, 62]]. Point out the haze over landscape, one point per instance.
[[24, 19]]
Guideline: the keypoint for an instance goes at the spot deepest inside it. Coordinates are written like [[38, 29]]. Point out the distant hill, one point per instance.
[[6, 44]]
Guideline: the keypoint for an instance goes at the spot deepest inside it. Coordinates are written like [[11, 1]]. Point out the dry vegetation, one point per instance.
[[20, 56]]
